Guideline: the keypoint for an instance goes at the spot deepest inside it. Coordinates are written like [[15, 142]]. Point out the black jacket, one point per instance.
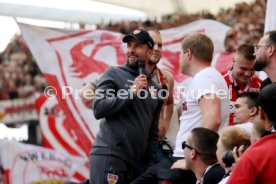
[[214, 175], [129, 127]]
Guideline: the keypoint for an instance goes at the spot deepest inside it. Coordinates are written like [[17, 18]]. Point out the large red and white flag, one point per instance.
[[68, 59], [27, 164]]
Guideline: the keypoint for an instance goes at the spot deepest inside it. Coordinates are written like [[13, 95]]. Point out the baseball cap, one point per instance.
[[141, 36]]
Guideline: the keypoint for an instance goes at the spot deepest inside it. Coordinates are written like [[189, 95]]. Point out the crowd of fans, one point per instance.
[[247, 20], [21, 77]]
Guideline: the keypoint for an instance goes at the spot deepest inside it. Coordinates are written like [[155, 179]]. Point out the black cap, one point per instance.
[[141, 36]]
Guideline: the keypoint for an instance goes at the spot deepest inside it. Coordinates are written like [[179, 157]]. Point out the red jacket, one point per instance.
[[258, 163]]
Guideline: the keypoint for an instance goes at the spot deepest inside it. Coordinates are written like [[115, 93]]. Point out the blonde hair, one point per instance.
[[232, 136]]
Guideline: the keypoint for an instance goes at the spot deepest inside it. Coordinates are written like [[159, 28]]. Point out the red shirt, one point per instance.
[[234, 89], [258, 163]]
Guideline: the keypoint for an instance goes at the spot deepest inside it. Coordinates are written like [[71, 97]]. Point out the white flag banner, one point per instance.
[[68, 59], [270, 17], [29, 164]]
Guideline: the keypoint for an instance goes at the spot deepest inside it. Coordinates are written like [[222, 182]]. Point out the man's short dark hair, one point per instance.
[[246, 51], [267, 101], [205, 142], [200, 45], [252, 99], [271, 37]]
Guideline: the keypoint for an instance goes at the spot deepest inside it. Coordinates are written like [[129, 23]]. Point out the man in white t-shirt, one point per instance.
[[206, 105], [206, 100], [245, 109]]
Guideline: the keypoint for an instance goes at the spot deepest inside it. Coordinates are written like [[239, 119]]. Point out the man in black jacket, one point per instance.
[[129, 128]]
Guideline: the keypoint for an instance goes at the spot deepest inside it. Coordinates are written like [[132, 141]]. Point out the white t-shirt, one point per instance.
[[208, 80], [246, 126]]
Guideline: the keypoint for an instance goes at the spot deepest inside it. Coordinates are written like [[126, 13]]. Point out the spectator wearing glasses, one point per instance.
[[200, 154], [265, 52], [240, 76], [258, 163]]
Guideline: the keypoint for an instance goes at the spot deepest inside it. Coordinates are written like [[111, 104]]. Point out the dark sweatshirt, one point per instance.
[[129, 126]]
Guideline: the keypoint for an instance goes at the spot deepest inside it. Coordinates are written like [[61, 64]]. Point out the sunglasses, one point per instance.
[[184, 145]]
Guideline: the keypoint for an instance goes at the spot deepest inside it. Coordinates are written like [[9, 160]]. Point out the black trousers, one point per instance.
[[162, 171], [105, 169]]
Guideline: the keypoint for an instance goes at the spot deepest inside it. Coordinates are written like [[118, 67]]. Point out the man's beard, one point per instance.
[[132, 65], [260, 64]]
